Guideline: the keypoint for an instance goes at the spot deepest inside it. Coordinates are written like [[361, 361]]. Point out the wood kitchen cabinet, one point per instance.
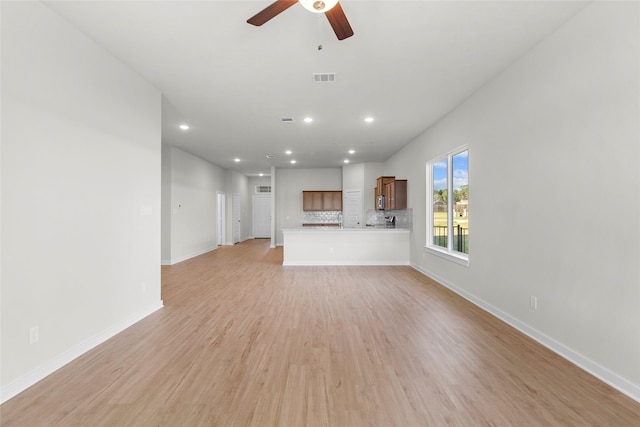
[[333, 200], [390, 193], [381, 182], [312, 200], [395, 195], [322, 200]]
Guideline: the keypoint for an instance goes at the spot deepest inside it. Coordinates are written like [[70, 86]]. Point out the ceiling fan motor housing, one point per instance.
[[318, 6], [331, 8]]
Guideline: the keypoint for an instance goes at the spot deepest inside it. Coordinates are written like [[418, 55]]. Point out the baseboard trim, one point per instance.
[[192, 255], [603, 374], [334, 263], [244, 239], [24, 382]]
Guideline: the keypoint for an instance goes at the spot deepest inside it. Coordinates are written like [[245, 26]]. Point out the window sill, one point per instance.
[[458, 259]]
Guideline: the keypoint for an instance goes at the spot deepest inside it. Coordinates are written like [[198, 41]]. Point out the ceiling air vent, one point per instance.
[[263, 189], [286, 119], [324, 77]]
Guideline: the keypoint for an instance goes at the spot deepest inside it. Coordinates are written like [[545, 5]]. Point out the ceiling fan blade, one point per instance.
[[339, 22], [271, 12]]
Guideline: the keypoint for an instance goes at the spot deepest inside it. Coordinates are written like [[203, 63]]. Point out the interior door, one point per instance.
[[261, 217], [235, 208], [221, 218], [352, 209]]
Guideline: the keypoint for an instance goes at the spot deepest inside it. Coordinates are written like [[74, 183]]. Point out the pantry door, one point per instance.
[[352, 209], [235, 208], [262, 217]]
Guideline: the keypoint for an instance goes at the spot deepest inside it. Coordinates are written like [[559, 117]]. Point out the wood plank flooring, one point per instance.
[[244, 341]]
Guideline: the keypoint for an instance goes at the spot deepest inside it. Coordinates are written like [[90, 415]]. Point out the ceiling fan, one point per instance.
[[331, 8]]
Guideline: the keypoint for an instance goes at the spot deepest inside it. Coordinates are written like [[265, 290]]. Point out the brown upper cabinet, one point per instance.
[[322, 200], [390, 193], [395, 195], [381, 182]]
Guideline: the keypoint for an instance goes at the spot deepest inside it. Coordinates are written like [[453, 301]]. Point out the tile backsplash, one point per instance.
[[322, 217], [404, 218], [374, 218]]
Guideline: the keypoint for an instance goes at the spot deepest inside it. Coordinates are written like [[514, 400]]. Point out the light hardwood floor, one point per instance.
[[244, 341]]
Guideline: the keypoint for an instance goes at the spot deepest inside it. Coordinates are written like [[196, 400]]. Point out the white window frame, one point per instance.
[[447, 253]]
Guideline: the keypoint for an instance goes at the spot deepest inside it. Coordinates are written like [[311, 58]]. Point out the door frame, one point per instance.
[[221, 199]]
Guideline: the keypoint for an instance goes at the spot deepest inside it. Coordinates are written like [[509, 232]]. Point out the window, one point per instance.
[[448, 217]]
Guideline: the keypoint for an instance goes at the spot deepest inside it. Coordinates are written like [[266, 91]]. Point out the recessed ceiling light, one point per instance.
[[236, 160], [352, 151], [293, 162], [346, 160], [368, 119], [261, 174], [288, 152], [308, 119], [184, 127]]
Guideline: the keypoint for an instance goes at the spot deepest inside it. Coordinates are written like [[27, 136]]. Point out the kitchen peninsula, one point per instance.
[[346, 246]]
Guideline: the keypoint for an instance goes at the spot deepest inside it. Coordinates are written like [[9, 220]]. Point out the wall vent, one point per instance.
[[261, 189], [324, 77]]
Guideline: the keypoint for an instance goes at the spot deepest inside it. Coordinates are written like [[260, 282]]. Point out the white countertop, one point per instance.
[[344, 230]]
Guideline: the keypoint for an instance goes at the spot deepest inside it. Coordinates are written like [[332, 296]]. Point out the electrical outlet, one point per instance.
[[533, 302], [34, 334]]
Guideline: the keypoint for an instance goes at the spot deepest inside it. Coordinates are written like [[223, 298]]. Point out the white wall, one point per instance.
[[353, 177], [252, 181], [554, 197], [193, 204], [290, 183], [80, 194]]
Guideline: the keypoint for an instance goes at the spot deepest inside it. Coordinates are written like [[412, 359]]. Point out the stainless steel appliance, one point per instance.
[[390, 221], [380, 203]]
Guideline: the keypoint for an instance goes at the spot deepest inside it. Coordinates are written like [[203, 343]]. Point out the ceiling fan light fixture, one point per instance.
[[318, 6]]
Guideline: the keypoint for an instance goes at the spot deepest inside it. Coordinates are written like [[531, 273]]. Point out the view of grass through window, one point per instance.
[[450, 175]]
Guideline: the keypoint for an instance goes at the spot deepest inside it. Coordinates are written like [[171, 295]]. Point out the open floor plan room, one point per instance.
[[245, 341]]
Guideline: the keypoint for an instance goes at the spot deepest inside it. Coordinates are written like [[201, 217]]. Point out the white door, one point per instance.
[[235, 207], [220, 226], [262, 217], [352, 209]]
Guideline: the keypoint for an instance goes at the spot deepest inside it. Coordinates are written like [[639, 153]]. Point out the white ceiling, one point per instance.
[[408, 64]]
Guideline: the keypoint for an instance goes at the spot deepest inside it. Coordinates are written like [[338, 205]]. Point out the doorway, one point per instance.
[[262, 217]]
